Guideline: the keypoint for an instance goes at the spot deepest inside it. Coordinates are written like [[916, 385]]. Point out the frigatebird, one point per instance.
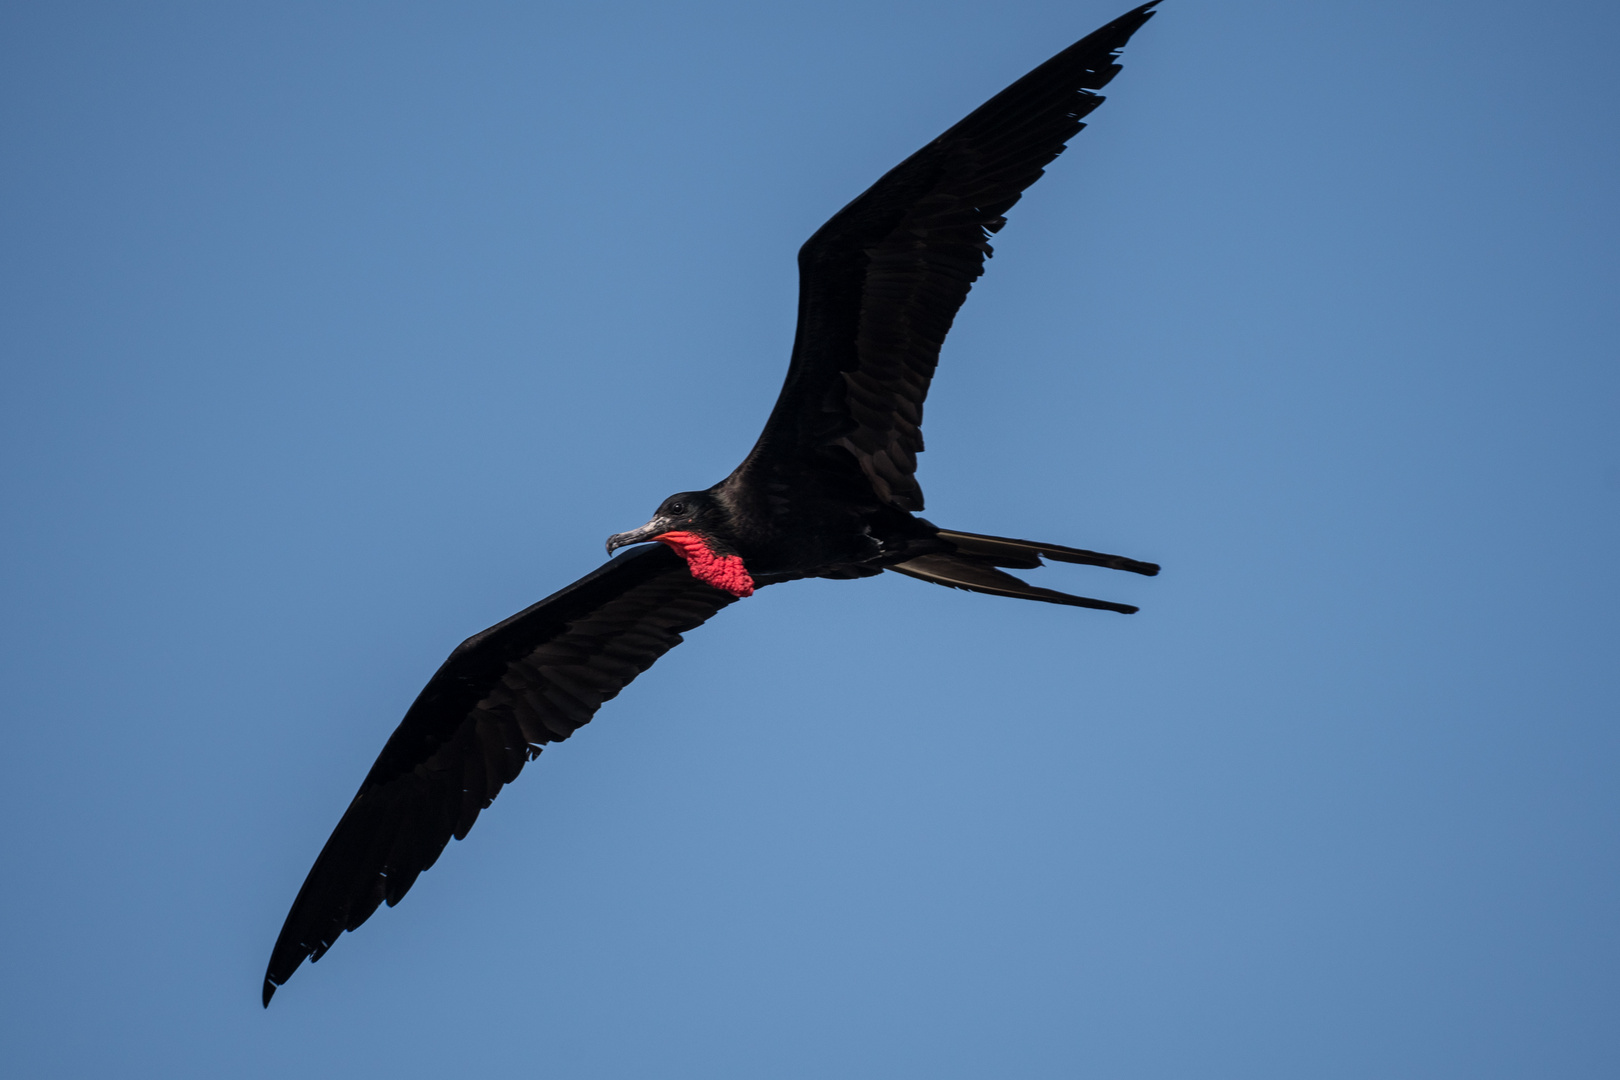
[[829, 490]]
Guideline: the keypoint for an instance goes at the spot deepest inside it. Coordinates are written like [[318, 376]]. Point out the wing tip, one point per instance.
[[1144, 12], [284, 961]]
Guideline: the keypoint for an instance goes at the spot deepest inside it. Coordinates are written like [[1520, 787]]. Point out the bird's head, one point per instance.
[[694, 525], [695, 512]]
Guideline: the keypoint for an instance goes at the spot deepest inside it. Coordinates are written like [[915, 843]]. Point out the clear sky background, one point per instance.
[[335, 332]]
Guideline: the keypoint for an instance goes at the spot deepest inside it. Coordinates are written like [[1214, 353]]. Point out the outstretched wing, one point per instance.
[[501, 695], [880, 283]]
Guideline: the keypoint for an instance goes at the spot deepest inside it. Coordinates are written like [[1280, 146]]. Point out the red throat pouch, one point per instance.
[[722, 571]]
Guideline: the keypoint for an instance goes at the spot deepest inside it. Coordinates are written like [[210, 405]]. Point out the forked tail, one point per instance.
[[973, 560]]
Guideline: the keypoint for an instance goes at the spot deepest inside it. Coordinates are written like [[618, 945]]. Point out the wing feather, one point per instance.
[[504, 693], [881, 282]]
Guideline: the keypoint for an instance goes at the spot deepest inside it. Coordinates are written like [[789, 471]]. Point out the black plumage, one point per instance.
[[829, 490]]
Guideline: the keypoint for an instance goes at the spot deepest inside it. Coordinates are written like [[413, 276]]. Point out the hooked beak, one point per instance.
[[649, 531]]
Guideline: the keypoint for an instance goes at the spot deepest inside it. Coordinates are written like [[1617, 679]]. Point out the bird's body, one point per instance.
[[829, 490]]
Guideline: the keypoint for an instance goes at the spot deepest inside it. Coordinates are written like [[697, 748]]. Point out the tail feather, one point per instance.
[[1026, 554], [977, 574]]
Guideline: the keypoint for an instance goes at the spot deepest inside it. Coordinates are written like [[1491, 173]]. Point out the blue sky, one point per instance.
[[333, 333]]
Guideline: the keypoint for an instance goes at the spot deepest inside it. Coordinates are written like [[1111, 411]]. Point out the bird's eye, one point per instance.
[[677, 508]]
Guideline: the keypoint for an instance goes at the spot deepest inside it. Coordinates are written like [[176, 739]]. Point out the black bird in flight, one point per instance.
[[829, 490]]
